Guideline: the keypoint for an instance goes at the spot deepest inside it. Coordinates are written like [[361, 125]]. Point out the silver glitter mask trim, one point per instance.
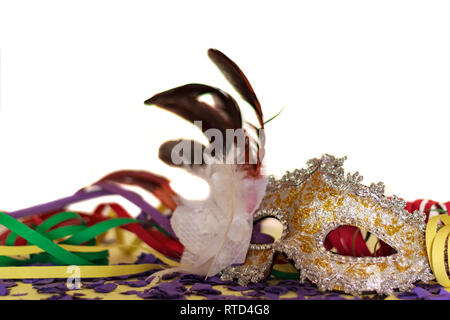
[[312, 202]]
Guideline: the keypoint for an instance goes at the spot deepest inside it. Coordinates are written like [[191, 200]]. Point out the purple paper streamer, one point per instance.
[[106, 189], [136, 199], [58, 204]]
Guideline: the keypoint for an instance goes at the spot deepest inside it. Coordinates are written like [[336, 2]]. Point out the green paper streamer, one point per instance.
[[42, 238]]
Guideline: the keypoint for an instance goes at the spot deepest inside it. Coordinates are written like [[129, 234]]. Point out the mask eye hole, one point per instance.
[[266, 230], [352, 241]]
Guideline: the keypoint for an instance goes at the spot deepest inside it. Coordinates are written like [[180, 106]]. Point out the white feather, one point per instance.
[[216, 232]]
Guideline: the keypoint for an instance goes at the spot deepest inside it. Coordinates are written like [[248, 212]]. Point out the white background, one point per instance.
[[366, 79]]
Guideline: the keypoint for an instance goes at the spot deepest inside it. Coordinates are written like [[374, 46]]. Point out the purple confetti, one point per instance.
[[156, 293], [105, 288], [296, 298], [229, 297], [63, 296], [334, 297], [78, 294], [253, 293], [195, 278], [166, 290], [124, 277], [148, 258], [432, 288], [8, 283], [200, 286], [319, 297], [204, 289], [238, 288], [421, 293], [443, 295], [170, 276], [271, 296], [130, 292], [276, 290], [257, 286], [407, 296], [307, 291], [136, 283], [191, 278], [93, 284], [174, 286], [3, 290], [38, 281], [56, 287], [175, 289]]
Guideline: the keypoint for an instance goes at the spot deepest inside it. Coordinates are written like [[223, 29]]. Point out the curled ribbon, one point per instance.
[[436, 238], [77, 249]]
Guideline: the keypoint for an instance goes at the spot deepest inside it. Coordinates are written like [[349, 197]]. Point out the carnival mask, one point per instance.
[[310, 203]]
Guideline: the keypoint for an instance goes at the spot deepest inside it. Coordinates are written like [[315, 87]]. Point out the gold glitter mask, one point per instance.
[[312, 202]]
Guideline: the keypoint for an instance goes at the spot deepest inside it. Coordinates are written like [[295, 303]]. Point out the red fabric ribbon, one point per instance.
[[154, 238]]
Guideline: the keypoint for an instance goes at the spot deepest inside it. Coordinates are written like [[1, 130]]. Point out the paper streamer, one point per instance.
[[46, 272], [77, 248], [436, 241], [168, 245], [106, 189]]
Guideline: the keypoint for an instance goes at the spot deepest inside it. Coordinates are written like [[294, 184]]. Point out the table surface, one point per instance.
[[190, 287]]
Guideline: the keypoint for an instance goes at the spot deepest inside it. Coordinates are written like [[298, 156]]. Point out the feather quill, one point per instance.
[[230, 220], [216, 232]]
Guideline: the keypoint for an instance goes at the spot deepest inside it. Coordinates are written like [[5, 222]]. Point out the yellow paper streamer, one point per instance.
[[100, 271], [84, 271], [23, 250], [66, 271], [435, 243], [120, 237]]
